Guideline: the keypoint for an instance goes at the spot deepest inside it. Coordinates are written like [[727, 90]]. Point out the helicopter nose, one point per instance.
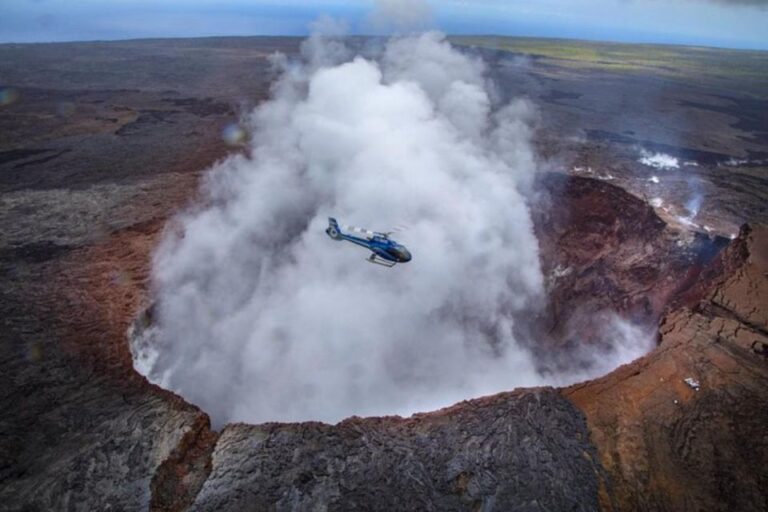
[[405, 256]]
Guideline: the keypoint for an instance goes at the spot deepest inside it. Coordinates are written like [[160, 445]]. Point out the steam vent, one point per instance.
[[583, 324]]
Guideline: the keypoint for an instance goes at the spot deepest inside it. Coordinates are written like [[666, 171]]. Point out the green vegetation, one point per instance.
[[689, 63]]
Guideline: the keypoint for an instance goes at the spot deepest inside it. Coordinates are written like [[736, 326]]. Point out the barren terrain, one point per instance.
[[106, 141]]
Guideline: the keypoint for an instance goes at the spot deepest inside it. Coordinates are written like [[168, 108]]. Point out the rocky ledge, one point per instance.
[[684, 428], [94, 160], [681, 428]]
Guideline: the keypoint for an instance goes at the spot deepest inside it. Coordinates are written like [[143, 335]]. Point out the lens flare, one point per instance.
[[8, 96], [234, 135]]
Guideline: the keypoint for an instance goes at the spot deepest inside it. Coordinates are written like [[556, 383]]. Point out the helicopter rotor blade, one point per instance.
[[365, 232], [370, 234]]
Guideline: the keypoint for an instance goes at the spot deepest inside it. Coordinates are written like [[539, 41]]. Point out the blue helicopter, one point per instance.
[[384, 251]]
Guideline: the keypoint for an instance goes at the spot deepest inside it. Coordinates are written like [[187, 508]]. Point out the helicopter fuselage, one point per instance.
[[380, 245]]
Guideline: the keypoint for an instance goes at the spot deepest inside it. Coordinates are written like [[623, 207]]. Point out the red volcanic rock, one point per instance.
[[81, 429], [178, 479], [86, 196], [605, 250], [85, 428], [683, 428]]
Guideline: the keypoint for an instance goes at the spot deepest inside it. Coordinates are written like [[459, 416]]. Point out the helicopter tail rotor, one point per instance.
[[333, 230]]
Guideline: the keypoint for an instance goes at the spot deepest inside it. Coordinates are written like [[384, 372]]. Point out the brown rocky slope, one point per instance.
[[698, 445], [82, 431], [94, 158]]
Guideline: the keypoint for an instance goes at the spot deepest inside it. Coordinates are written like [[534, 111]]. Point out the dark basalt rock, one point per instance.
[[526, 450], [80, 430]]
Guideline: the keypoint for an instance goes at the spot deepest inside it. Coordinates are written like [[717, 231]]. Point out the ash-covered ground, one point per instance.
[[647, 166], [683, 128]]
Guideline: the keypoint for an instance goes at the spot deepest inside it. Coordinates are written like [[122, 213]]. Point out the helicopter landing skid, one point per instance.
[[377, 260]]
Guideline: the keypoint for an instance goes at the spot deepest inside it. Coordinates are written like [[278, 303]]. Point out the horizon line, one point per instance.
[[349, 36]]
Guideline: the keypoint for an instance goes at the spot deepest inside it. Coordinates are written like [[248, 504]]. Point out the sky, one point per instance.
[[723, 23]]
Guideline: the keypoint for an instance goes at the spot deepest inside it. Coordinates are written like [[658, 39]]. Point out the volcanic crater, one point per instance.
[[82, 430]]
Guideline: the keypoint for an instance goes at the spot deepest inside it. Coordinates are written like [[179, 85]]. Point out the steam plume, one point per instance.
[[260, 316]]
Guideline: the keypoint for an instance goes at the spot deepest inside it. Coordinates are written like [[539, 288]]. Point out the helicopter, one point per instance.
[[384, 251]]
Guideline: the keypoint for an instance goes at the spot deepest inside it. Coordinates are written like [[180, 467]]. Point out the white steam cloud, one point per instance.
[[659, 161], [260, 316]]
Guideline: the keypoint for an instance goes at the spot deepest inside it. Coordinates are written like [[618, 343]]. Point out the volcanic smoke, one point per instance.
[[260, 317]]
